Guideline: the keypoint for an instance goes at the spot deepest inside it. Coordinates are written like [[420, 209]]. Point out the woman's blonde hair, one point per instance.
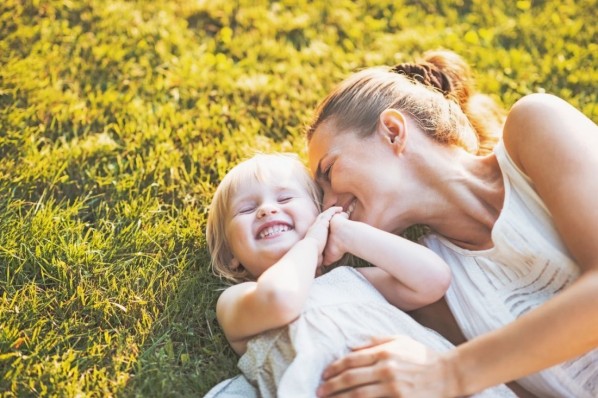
[[437, 93], [260, 168]]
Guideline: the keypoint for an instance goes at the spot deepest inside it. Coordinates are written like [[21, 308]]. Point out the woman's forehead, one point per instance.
[[326, 142], [318, 146]]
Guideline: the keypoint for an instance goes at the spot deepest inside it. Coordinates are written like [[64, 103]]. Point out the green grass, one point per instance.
[[119, 118]]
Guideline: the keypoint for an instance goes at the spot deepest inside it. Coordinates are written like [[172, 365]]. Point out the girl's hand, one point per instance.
[[391, 367], [335, 248], [319, 229]]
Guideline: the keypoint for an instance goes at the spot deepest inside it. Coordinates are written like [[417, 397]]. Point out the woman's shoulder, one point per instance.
[[527, 119], [541, 123]]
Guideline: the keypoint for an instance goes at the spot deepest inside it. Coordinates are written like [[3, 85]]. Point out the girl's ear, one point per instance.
[[239, 270], [393, 129], [234, 264]]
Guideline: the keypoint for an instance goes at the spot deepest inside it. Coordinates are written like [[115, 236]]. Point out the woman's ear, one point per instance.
[[393, 128]]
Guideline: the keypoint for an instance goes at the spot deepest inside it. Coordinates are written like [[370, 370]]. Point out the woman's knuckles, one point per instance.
[[385, 355], [389, 370], [396, 389]]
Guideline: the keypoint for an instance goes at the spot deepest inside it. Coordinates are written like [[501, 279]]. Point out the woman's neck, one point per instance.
[[464, 197]]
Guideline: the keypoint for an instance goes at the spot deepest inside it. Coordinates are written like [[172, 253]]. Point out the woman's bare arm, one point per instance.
[[557, 147]]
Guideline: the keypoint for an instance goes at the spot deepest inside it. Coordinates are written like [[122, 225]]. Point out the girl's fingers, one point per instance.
[[327, 214], [341, 214]]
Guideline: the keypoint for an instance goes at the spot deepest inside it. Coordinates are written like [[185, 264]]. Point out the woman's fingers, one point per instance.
[[368, 390], [352, 360], [389, 366], [362, 379], [377, 380], [374, 341]]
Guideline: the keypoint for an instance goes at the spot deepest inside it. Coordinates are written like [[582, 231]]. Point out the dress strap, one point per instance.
[[519, 181]]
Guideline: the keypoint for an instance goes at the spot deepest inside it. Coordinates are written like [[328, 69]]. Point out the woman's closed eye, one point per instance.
[[327, 173]]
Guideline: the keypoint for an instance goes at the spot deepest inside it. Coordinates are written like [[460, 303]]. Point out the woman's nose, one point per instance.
[[266, 210]]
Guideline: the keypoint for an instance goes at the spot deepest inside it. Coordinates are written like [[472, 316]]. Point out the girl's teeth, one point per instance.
[[274, 230]]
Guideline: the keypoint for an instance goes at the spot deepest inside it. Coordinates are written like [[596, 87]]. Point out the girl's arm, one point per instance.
[[409, 275], [278, 295]]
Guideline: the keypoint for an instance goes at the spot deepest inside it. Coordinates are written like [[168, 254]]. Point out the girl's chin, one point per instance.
[[276, 251]]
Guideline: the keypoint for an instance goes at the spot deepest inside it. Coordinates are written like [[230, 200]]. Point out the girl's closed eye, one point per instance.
[[246, 209], [285, 199]]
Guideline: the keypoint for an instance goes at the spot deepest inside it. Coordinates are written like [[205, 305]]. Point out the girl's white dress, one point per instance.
[[343, 310], [528, 265]]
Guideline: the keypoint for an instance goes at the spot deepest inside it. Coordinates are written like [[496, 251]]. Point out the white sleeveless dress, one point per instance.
[[343, 310], [528, 265]]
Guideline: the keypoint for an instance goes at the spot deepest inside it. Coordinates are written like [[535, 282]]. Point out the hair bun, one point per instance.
[[427, 74]]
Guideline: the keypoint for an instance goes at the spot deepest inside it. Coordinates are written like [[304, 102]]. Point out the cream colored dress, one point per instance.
[[528, 265], [343, 310]]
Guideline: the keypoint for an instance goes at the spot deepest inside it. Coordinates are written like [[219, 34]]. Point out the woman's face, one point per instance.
[[359, 174]]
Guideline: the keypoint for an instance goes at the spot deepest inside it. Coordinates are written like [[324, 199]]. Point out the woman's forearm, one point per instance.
[[561, 329]]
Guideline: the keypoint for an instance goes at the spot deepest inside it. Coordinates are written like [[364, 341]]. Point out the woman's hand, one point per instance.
[[335, 249], [391, 367]]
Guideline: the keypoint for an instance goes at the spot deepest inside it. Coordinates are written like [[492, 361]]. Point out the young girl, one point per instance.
[[266, 233]]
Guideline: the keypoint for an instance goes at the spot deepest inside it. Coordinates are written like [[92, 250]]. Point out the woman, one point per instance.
[[518, 226]]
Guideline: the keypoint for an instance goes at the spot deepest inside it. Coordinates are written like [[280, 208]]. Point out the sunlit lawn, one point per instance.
[[118, 119]]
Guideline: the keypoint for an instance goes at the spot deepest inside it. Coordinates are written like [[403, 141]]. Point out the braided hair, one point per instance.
[[426, 73]]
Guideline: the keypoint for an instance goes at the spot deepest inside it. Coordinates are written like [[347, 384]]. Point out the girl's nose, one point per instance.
[[266, 210]]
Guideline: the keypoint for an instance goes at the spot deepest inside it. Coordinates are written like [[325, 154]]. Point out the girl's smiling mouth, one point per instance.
[[272, 229]]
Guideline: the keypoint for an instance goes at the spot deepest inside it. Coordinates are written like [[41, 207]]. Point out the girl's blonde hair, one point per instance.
[[261, 168], [437, 93]]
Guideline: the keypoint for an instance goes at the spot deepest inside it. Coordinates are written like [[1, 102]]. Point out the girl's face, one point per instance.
[[359, 174], [266, 219]]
